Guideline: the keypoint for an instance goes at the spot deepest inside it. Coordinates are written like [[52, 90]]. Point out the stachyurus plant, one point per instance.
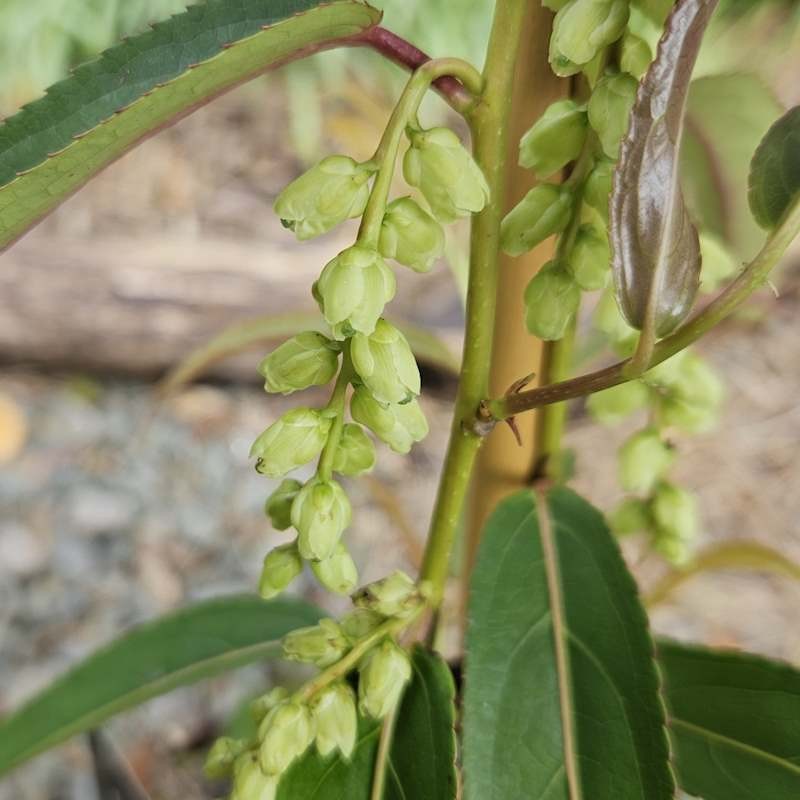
[[564, 694]]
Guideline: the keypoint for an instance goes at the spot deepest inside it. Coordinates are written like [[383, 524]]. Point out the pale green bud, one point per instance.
[[334, 710], [610, 108], [643, 460], [353, 289], [385, 364], [555, 139], [322, 645], [694, 396], [675, 512], [581, 29], [543, 212], [410, 235], [631, 516], [397, 425], [320, 513], [609, 320], [589, 258], [293, 440], [383, 674], [279, 504], [249, 782], [360, 622], [719, 264], [334, 190], [355, 453], [308, 359], [338, 572], [667, 374], [635, 56], [597, 188], [393, 596], [613, 405], [221, 757], [676, 551], [446, 174], [261, 706], [285, 734], [281, 566], [551, 301]]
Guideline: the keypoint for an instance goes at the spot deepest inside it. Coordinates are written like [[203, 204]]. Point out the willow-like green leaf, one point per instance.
[[84, 123]]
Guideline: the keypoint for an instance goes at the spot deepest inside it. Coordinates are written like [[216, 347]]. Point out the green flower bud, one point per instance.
[[543, 212], [581, 29], [285, 734], [281, 566], [353, 289], [320, 513], [635, 55], [609, 320], [261, 706], [667, 374], [334, 710], [676, 551], [293, 440], [338, 572], [308, 359], [321, 645], [279, 504], [632, 515], [221, 757], [551, 301], [393, 596], [597, 189], [360, 623], [397, 425], [355, 453], [249, 782], [694, 396], [590, 258], [719, 264], [555, 139], [334, 190], [446, 174], [643, 460], [383, 674], [410, 235], [385, 363], [610, 108], [675, 512], [613, 405]]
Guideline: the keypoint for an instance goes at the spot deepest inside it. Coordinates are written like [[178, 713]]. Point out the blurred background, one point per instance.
[[118, 503]]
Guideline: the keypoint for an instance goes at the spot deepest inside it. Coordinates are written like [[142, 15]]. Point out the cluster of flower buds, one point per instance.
[[327, 717]]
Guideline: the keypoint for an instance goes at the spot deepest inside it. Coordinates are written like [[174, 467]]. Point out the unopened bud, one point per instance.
[[631, 516], [446, 174], [675, 512], [555, 139], [589, 258], [360, 622], [635, 55], [551, 301], [279, 504], [543, 212], [597, 189], [322, 645], [353, 289], [261, 706], [693, 396], [610, 108], [613, 405], [334, 710], [285, 734], [355, 453], [249, 782], [383, 674], [338, 572], [385, 364], [281, 566], [393, 596], [308, 359], [643, 460], [334, 190], [410, 235], [320, 513], [293, 440], [397, 425], [221, 757]]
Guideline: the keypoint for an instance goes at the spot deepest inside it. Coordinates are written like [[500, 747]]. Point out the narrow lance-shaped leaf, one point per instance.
[[54, 145], [656, 252]]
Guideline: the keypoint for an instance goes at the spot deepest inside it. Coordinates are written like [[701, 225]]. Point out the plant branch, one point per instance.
[[751, 278]]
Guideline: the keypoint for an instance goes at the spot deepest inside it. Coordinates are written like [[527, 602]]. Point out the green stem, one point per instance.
[[404, 113], [337, 405], [382, 756], [489, 124], [751, 278]]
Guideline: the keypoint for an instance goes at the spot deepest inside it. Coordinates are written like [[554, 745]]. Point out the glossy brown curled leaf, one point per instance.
[[656, 252]]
